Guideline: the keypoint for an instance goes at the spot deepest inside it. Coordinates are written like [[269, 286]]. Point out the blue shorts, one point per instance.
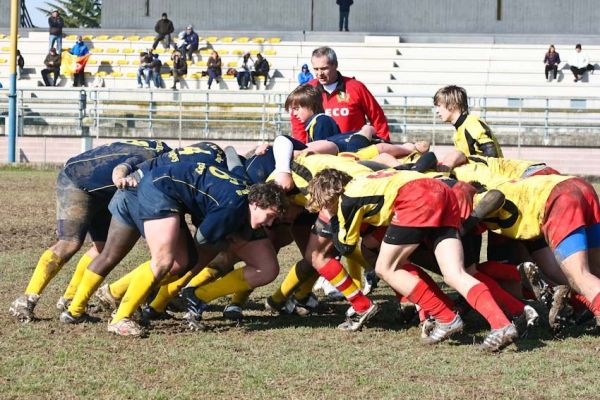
[[79, 212], [581, 239], [350, 143], [154, 204], [125, 208]]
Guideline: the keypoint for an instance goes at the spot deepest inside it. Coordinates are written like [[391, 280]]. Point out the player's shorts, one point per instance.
[[154, 204], [258, 168], [125, 208], [78, 212], [464, 193], [349, 142], [572, 204]]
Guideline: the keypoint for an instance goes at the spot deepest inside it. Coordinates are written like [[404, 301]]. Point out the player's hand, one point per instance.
[[262, 149], [422, 146], [284, 179]]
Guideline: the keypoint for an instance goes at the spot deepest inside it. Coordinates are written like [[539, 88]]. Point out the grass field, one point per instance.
[[266, 357]]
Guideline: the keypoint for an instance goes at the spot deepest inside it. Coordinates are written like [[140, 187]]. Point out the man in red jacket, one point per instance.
[[346, 100]]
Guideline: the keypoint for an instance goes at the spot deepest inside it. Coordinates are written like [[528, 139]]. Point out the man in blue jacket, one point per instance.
[[191, 42]]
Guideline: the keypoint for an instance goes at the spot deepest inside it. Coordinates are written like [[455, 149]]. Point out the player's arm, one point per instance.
[[482, 135]]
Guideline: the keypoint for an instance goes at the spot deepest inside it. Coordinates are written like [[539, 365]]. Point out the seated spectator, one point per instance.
[[79, 49], [155, 67], [20, 64], [261, 68], [179, 67], [144, 70], [305, 75], [214, 68], [163, 28], [244, 70], [551, 59], [52, 63], [190, 42], [579, 63]]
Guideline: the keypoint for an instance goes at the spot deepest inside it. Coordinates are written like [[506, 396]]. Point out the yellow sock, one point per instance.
[[287, 287], [168, 291], [138, 289], [82, 265], [240, 298], [356, 264], [231, 283], [90, 282], [207, 274], [168, 278], [306, 287], [47, 267], [117, 289]]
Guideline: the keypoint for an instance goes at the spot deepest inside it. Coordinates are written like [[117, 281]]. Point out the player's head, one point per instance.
[[450, 101], [304, 102], [324, 62], [325, 188], [267, 202]]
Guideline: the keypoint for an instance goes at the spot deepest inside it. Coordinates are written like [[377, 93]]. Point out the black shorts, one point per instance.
[[399, 235]]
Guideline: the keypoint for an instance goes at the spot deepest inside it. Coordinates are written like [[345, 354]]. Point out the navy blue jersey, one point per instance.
[[92, 170], [216, 199], [258, 168], [320, 127], [204, 152]]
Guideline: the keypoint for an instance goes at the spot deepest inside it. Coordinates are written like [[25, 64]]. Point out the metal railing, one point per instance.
[[260, 115]]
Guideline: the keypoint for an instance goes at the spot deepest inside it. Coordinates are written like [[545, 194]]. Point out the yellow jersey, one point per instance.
[[513, 169], [471, 133]]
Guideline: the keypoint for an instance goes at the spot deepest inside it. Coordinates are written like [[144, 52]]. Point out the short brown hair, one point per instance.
[[268, 195], [452, 97], [325, 188], [306, 96]]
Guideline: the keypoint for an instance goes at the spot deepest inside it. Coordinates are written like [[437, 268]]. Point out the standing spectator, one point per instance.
[[305, 75], [163, 28], [144, 70], [214, 68], [179, 67], [347, 100], [579, 63], [344, 12], [79, 49], [52, 63], [190, 42], [155, 67], [20, 64], [261, 68], [243, 71], [551, 59], [56, 24]]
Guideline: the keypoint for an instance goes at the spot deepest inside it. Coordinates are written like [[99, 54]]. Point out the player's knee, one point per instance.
[[65, 249]]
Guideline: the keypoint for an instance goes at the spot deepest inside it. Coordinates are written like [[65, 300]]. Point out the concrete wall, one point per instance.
[[383, 16], [5, 14]]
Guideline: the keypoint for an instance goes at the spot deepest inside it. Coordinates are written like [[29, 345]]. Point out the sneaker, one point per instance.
[[357, 321], [22, 307], [306, 306], [233, 312], [441, 332], [63, 304], [150, 314], [278, 308], [427, 327], [560, 311], [139, 85], [67, 318], [500, 338], [531, 275], [106, 299], [195, 306], [527, 319], [126, 327], [350, 312]]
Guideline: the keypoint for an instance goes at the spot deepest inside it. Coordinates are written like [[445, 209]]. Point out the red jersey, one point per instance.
[[350, 105]]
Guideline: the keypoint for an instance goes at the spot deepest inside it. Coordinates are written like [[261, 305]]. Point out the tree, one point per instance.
[[77, 13]]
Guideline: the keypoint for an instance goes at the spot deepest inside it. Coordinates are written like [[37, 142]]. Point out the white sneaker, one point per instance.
[[139, 86]]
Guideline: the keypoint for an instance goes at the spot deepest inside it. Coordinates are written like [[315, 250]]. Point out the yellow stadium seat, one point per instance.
[[133, 38], [196, 76], [242, 39], [3, 60], [106, 62], [2, 36], [223, 52], [168, 62], [201, 63], [211, 39], [148, 39], [274, 40], [205, 52], [226, 39], [270, 52], [71, 37], [159, 51], [165, 75], [237, 52], [5, 49], [117, 37], [101, 73], [135, 62], [102, 37], [122, 62], [116, 74], [67, 49], [228, 76], [112, 50], [131, 75], [254, 52], [258, 40], [232, 64], [128, 51], [91, 61], [96, 50], [87, 37]]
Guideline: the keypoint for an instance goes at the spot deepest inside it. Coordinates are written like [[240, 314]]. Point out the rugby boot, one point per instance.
[[22, 307], [358, 320], [126, 327], [500, 338], [441, 332]]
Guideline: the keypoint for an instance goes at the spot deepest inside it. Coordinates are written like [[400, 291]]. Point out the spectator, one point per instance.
[[190, 42], [579, 63], [344, 12], [155, 67], [551, 59], [163, 28], [305, 75], [52, 63], [214, 68], [244, 70], [347, 100], [144, 70], [20, 64], [79, 49], [261, 68], [179, 67], [56, 24]]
